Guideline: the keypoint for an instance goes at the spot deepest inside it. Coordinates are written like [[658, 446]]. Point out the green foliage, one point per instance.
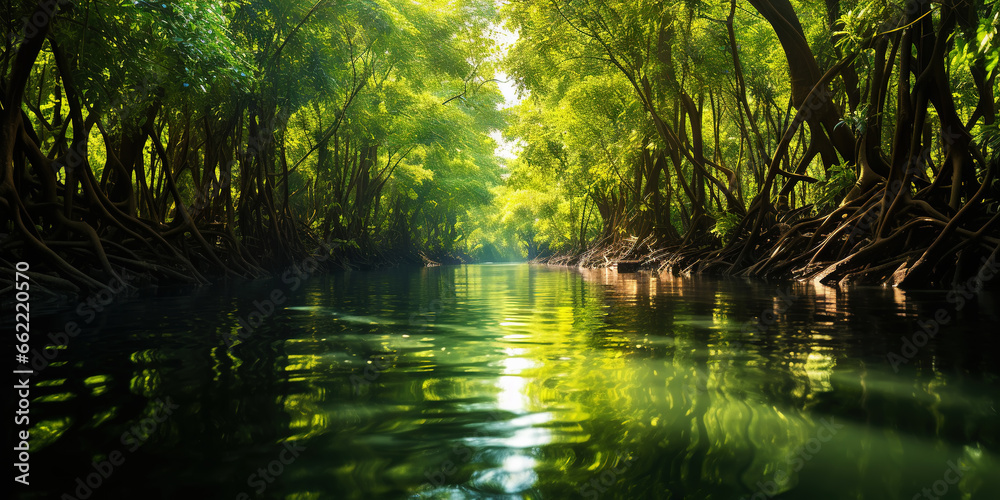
[[838, 180], [982, 46], [989, 139], [725, 226], [370, 120], [379, 110], [856, 120], [860, 24]]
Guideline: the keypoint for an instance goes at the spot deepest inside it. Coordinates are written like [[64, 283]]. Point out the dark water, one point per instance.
[[513, 381]]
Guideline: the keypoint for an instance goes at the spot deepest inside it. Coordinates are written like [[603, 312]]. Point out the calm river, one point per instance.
[[519, 382]]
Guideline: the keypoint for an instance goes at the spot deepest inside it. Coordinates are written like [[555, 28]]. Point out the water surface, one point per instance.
[[521, 382]]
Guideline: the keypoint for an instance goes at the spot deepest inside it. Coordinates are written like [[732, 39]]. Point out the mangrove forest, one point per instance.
[[510, 249]]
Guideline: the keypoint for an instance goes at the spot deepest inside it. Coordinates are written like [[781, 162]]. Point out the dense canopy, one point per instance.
[[182, 140], [835, 140]]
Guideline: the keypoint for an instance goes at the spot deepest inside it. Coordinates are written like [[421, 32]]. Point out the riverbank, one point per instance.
[[631, 254], [51, 292]]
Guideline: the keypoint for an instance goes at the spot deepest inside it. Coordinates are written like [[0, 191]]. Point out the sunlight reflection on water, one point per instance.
[[534, 382]]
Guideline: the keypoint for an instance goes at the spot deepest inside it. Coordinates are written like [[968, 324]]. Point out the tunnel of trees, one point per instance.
[[186, 140]]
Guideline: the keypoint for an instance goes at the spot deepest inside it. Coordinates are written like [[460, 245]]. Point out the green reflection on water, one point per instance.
[[548, 389], [529, 382]]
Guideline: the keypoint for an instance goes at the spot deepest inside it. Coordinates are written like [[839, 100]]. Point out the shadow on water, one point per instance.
[[514, 381]]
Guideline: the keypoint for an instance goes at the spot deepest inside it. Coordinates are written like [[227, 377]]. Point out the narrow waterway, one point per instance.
[[520, 382]]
